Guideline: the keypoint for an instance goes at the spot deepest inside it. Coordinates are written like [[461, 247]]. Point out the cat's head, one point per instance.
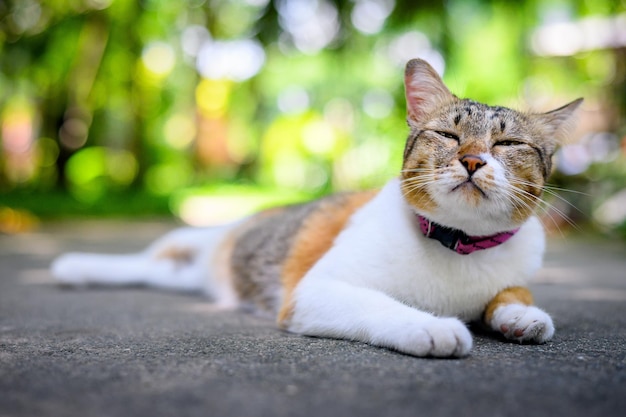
[[473, 167]]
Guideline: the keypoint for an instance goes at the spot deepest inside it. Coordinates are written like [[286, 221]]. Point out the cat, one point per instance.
[[452, 240]]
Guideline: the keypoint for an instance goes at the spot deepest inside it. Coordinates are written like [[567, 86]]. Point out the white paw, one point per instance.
[[68, 269], [440, 337], [523, 323]]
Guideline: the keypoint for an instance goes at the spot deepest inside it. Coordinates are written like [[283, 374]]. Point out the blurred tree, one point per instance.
[[105, 96]]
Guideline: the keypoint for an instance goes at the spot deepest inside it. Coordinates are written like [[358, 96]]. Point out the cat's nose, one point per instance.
[[472, 163]]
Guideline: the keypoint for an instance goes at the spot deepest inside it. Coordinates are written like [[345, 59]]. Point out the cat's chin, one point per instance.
[[479, 220], [471, 191]]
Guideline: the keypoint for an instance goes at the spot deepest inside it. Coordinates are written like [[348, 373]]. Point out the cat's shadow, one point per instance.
[[480, 330]]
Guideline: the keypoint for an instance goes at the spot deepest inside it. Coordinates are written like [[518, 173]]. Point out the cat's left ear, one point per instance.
[[561, 121], [424, 90]]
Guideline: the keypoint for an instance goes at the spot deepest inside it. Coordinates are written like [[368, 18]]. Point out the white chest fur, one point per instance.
[[383, 249]]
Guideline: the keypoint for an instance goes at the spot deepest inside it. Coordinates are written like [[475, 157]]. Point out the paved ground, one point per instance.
[[134, 352]]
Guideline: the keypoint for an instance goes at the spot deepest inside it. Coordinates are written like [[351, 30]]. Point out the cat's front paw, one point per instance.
[[439, 337], [523, 323]]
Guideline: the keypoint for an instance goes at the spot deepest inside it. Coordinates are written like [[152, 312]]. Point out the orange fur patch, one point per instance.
[[418, 196], [512, 295], [182, 255], [314, 239]]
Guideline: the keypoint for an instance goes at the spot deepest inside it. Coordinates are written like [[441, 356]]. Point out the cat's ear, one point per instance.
[[561, 121], [424, 90]]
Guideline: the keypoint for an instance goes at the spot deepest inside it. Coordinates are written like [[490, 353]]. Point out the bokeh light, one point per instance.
[[159, 58], [310, 25], [108, 99], [236, 60], [369, 16]]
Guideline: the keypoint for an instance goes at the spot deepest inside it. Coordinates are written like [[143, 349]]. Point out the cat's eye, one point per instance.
[[447, 135], [509, 143]]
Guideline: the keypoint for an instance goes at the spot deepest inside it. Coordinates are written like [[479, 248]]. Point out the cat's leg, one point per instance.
[[179, 260], [122, 270], [329, 308], [511, 313]]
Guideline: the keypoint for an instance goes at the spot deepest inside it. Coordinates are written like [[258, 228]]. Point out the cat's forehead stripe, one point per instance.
[[481, 114]]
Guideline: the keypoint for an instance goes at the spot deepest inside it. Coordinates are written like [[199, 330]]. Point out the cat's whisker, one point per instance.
[[546, 207], [414, 183], [528, 196], [417, 184], [554, 193], [411, 190], [521, 202], [428, 170], [550, 191], [420, 177], [412, 187], [424, 176], [567, 190]]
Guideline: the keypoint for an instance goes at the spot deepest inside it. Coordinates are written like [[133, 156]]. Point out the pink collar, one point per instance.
[[460, 242]]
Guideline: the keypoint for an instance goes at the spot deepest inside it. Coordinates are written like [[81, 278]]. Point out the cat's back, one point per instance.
[[271, 251]]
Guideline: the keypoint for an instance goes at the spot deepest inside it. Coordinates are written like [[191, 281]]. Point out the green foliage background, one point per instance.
[[104, 111]]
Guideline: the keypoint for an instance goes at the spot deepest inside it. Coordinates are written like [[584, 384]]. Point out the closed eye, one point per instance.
[[509, 143], [447, 135]]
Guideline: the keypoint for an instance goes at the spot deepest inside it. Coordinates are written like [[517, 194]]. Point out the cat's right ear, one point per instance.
[[424, 90]]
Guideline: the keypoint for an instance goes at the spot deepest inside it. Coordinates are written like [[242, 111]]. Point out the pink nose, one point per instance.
[[472, 163]]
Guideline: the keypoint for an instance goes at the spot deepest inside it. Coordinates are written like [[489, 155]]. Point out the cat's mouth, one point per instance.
[[471, 186]]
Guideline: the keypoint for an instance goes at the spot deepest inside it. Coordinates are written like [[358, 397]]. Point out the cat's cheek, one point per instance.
[[419, 198]]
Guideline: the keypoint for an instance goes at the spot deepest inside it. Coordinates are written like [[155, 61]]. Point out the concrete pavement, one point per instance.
[[137, 352]]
